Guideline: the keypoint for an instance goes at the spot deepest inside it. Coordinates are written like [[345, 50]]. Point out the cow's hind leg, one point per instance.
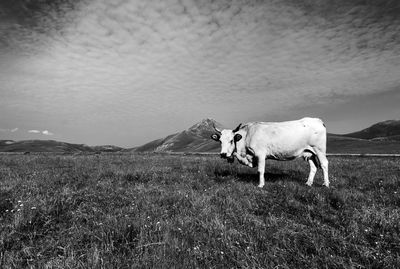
[[313, 169], [324, 165]]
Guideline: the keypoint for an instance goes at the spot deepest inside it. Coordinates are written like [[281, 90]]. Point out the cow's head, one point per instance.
[[227, 138]]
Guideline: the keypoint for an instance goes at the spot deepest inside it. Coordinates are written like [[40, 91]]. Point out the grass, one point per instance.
[[160, 211]]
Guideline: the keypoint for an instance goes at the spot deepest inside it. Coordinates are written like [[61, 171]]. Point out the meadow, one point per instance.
[[189, 211]]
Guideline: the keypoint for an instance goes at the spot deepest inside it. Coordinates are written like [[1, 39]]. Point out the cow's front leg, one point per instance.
[[243, 160], [252, 159], [261, 170]]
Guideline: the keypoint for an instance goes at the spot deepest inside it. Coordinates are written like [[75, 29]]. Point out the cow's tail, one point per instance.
[[311, 155], [316, 161], [322, 122]]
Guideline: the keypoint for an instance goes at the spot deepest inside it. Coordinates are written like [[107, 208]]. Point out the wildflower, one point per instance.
[[33, 207], [21, 205]]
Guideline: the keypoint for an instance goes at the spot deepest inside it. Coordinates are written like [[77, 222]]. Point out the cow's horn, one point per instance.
[[216, 129], [237, 128]]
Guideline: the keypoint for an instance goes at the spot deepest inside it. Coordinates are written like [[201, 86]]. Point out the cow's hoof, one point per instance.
[[308, 184], [326, 185], [261, 185]]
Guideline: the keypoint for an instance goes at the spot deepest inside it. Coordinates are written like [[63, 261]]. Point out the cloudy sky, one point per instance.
[[125, 72]]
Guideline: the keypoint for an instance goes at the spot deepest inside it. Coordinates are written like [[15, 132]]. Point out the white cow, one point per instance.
[[255, 142]]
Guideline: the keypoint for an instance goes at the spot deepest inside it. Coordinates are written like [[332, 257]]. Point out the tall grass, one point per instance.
[[129, 211]]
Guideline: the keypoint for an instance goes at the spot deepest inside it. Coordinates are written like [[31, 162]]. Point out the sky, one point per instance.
[[126, 72]]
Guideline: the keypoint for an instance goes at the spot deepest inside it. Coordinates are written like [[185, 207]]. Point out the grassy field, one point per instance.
[[160, 211]]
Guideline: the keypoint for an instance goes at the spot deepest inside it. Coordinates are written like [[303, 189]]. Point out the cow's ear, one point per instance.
[[215, 137], [237, 137], [237, 128]]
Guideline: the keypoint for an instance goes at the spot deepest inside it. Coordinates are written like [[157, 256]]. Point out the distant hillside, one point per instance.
[[41, 146], [386, 130], [343, 144], [107, 148], [195, 139]]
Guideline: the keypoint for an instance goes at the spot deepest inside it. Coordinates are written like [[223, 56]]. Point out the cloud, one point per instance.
[[102, 63], [45, 132], [8, 130]]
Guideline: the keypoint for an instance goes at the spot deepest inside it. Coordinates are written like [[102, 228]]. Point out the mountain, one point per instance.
[[41, 146], [386, 130], [195, 139]]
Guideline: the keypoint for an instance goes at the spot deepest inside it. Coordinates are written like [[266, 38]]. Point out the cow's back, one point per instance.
[[286, 138]]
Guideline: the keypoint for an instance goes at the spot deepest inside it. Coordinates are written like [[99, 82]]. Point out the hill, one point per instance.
[[194, 139], [41, 146], [53, 146], [386, 130], [343, 144], [107, 148]]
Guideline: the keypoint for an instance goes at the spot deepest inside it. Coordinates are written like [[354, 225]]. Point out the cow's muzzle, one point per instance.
[[230, 159]]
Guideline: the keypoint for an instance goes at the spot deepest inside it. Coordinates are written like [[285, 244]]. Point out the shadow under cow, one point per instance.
[[270, 176]]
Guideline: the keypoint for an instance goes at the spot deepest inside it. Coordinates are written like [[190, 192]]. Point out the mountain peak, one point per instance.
[[205, 124]]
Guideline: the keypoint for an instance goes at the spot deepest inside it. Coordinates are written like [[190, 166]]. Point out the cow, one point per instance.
[[254, 142]]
